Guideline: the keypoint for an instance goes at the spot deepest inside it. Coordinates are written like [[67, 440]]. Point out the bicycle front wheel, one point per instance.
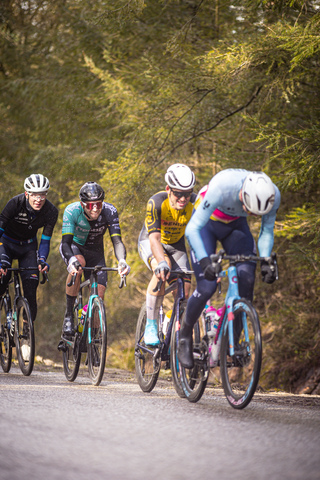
[[194, 380], [240, 372], [5, 342], [71, 357], [97, 341], [24, 336], [147, 363]]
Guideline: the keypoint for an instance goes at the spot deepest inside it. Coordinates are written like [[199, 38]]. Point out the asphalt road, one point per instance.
[[55, 430]]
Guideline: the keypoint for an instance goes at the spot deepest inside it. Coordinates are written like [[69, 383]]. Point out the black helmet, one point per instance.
[[91, 192]]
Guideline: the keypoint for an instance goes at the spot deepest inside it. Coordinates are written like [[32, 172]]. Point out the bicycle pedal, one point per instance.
[[62, 347]]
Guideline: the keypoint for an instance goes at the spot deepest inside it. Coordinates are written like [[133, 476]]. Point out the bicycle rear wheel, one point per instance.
[[71, 357], [147, 364], [24, 336], [240, 373], [97, 347], [194, 380], [5, 342]]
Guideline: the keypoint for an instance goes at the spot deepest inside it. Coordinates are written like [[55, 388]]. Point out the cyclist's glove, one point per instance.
[[4, 264], [122, 265], [268, 272], [210, 269], [43, 264], [73, 263], [162, 267]]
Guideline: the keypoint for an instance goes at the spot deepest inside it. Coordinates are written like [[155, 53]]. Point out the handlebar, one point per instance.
[[179, 273], [96, 269], [45, 277], [221, 255]]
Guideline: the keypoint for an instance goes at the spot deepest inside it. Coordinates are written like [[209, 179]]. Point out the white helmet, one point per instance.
[[36, 183], [258, 193], [180, 176]]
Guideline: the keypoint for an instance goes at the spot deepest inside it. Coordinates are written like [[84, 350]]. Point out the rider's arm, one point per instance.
[[44, 246], [266, 236], [200, 218]]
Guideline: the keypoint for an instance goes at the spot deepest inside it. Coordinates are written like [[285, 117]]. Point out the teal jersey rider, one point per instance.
[[87, 232]]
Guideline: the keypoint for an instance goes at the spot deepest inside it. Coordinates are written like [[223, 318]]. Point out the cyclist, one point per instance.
[[84, 225], [20, 221], [161, 241], [220, 215]]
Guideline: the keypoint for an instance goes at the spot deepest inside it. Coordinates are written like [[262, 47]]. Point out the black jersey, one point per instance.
[[20, 222]]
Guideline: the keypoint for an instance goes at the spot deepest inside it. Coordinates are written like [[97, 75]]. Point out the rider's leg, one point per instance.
[[153, 303], [196, 303], [241, 241], [71, 295], [30, 279]]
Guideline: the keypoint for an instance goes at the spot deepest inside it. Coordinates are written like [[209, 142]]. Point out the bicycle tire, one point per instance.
[[174, 362], [147, 366], [240, 373], [194, 380], [5, 342], [71, 357], [97, 348], [24, 336]]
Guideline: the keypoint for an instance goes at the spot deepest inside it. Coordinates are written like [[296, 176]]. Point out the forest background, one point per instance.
[[116, 91]]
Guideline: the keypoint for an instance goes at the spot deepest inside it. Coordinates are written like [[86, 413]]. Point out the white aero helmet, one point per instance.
[[36, 183], [258, 193], [180, 176]]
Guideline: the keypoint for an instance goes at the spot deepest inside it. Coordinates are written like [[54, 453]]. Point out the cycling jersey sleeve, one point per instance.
[[200, 218], [266, 236], [66, 243], [119, 248]]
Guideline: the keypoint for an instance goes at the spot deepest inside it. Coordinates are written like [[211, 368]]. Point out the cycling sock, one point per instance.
[[153, 303]]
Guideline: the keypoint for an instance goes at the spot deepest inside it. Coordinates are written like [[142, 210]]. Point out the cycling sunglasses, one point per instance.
[[91, 205], [182, 194]]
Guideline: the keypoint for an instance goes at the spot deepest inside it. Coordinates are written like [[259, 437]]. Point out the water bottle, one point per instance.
[[82, 315], [9, 319], [212, 318], [166, 322]]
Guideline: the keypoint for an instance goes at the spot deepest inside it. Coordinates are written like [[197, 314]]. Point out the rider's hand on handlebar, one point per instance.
[[123, 268], [74, 266], [162, 271], [43, 266], [3, 267], [210, 269], [268, 272]]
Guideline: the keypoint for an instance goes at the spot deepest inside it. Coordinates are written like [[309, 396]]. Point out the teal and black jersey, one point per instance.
[[77, 228]]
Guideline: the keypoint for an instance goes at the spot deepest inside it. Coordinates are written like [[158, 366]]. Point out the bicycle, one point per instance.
[[16, 326], [148, 360], [90, 334], [241, 345]]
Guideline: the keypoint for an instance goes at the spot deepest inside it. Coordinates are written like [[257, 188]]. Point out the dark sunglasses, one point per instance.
[[91, 205], [182, 194]]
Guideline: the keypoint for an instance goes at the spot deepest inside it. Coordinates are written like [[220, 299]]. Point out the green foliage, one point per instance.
[[117, 91]]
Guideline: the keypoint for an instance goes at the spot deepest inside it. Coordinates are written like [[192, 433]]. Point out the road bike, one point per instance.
[[240, 336], [148, 359], [90, 333], [16, 326]]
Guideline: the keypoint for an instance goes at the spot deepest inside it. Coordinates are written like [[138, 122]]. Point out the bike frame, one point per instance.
[[93, 294], [162, 349]]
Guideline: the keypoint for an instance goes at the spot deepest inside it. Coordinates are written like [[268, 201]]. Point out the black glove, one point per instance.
[[268, 272], [4, 264], [210, 269], [43, 264]]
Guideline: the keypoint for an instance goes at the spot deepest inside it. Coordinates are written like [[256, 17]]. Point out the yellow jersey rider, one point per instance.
[[161, 242]]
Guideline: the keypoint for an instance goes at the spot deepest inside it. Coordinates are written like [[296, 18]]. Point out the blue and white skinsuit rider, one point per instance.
[[220, 216]]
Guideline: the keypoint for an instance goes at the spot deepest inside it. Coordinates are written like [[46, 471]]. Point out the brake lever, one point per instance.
[[72, 281], [123, 281], [158, 286]]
